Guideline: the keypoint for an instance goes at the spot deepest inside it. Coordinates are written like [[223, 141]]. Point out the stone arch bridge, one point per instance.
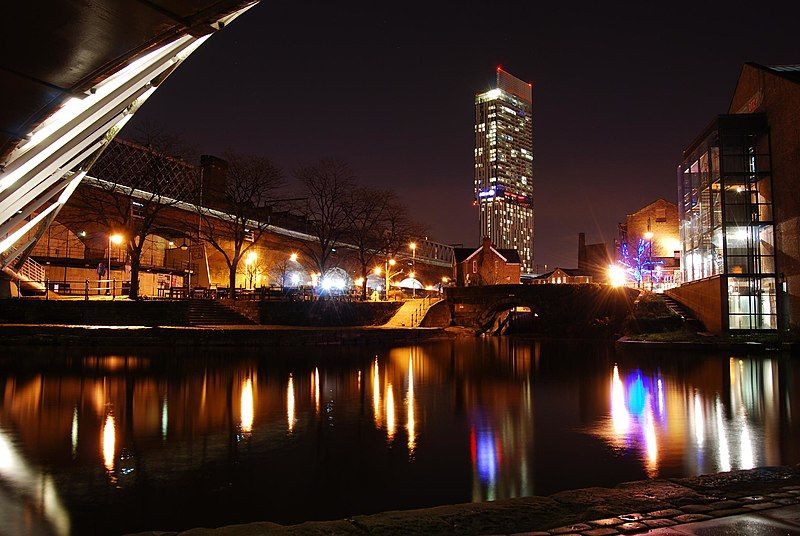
[[558, 309]]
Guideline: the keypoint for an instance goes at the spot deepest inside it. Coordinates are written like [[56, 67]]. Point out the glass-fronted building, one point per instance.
[[726, 220], [503, 183]]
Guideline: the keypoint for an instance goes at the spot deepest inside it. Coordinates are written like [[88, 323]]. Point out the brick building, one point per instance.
[[486, 265], [562, 276], [740, 207]]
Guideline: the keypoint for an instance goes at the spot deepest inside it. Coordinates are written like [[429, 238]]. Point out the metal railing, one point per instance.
[[32, 270], [84, 288], [422, 309]]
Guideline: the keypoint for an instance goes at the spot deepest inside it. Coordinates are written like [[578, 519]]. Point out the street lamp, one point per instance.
[[116, 239], [649, 237], [249, 260], [413, 246], [293, 257], [185, 247]]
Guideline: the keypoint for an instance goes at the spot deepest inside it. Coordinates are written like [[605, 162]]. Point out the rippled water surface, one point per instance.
[[112, 442]]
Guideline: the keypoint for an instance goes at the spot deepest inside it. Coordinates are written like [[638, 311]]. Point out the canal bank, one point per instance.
[[196, 336], [747, 344], [762, 497]]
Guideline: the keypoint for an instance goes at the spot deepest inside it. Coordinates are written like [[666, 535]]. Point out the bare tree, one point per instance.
[[326, 188], [236, 213], [368, 227], [132, 185], [379, 227]]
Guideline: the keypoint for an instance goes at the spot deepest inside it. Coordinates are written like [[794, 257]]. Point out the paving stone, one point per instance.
[[753, 499], [786, 502], [781, 495], [607, 522], [631, 527], [670, 512], [728, 512], [632, 517], [722, 505], [791, 488], [578, 527], [696, 508], [604, 531], [536, 533], [658, 523], [760, 506], [691, 518], [703, 499]]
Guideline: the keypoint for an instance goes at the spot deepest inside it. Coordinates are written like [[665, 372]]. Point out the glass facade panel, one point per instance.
[[725, 195], [752, 303]]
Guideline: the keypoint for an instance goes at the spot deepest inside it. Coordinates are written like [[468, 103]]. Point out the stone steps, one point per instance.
[[214, 313], [684, 312]]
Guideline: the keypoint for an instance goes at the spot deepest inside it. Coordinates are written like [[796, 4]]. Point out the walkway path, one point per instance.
[[411, 313], [757, 502]]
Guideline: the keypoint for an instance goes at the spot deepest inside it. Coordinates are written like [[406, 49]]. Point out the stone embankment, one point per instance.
[[630, 508], [240, 336]]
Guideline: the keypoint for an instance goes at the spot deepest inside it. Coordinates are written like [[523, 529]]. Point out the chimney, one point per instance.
[[581, 251], [487, 244]]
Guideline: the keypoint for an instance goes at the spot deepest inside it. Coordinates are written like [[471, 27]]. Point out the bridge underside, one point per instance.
[[72, 74]]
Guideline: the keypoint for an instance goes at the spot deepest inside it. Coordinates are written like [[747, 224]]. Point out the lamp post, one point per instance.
[[117, 239], [387, 273], [413, 246], [185, 247], [649, 237], [249, 261]]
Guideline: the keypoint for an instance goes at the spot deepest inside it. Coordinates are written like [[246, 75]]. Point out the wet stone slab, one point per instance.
[[742, 500]]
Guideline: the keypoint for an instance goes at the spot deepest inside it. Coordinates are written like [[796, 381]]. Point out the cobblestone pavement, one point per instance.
[[753, 515], [759, 502]]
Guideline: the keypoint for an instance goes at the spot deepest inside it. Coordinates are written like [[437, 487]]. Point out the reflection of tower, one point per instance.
[[501, 426]]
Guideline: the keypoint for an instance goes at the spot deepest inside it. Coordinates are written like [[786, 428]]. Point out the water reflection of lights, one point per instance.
[[485, 458], [390, 417], [315, 388], [376, 393], [711, 435], [633, 415], [37, 492], [74, 431], [651, 444], [109, 442], [699, 420], [723, 450], [411, 423], [164, 418], [290, 418], [619, 412], [247, 405]]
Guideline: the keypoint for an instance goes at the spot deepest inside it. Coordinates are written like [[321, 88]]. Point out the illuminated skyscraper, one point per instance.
[[504, 165]]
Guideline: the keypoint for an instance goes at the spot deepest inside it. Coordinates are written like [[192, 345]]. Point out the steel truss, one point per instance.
[[43, 171]]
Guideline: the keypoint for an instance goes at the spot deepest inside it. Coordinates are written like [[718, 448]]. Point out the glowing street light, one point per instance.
[[249, 262], [377, 270], [616, 276], [413, 246], [116, 239], [293, 257]]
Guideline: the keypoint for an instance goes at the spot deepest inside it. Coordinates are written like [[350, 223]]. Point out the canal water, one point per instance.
[[111, 442]]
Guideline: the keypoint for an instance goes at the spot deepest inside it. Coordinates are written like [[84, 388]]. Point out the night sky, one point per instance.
[[389, 86]]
